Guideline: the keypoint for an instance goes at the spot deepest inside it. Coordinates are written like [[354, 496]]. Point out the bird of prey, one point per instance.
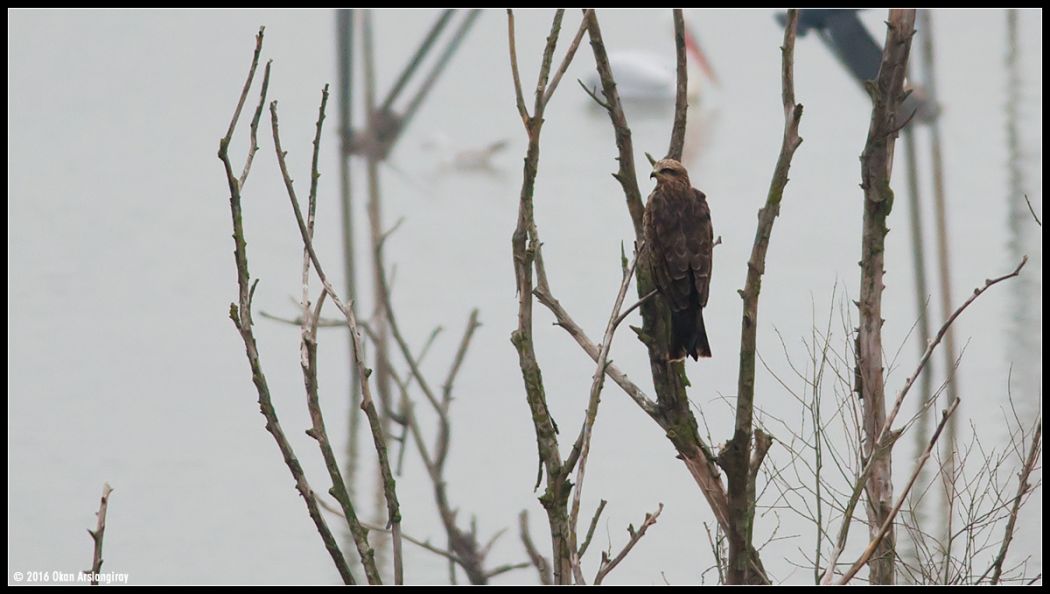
[[678, 244]]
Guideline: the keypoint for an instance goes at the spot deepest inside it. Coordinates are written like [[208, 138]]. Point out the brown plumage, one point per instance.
[[678, 243]]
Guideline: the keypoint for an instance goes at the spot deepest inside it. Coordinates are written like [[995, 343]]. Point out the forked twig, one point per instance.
[[608, 564]]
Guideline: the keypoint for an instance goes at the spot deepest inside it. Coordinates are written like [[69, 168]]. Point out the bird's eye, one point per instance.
[[669, 171]]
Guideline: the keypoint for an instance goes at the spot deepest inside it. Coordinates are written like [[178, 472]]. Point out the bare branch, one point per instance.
[[528, 262], [253, 144], [425, 544], [1032, 210], [681, 99], [367, 404], [319, 433], [240, 313], [886, 437], [884, 528], [417, 59], [1023, 487], [696, 455], [581, 449], [608, 564], [545, 64], [566, 60], [542, 564], [887, 93], [455, 39], [592, 527], [469, 554], [636, 305], [582, 446], [937, 340], [507, 567], [308, 360], [626, 174], [565, 321], [518, 95], [406, 352], [224, 144], [737, 454], [446, 388], [591, 93], [97, 534], [716, 544]]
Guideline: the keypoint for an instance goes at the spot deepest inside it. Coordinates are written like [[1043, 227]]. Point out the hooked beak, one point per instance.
[[652, 175]]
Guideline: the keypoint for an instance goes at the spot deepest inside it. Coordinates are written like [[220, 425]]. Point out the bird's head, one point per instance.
[[669, 171]]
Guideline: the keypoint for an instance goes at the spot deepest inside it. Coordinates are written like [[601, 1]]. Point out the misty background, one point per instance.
[[123, 365]]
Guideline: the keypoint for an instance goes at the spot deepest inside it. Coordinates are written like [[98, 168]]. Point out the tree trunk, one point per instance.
[[876, 165]]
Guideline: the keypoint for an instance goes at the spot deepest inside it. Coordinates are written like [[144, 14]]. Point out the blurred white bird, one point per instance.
[[464, 158], [643, 76]]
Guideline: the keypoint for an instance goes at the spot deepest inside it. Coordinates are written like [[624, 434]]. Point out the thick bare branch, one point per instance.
[[626, 175], [681, 98], [876, 163], [528, 262]]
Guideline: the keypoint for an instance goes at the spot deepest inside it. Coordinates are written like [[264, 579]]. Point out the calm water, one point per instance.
[[124, 367]]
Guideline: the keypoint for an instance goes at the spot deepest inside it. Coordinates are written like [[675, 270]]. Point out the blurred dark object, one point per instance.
[[854, 46]]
